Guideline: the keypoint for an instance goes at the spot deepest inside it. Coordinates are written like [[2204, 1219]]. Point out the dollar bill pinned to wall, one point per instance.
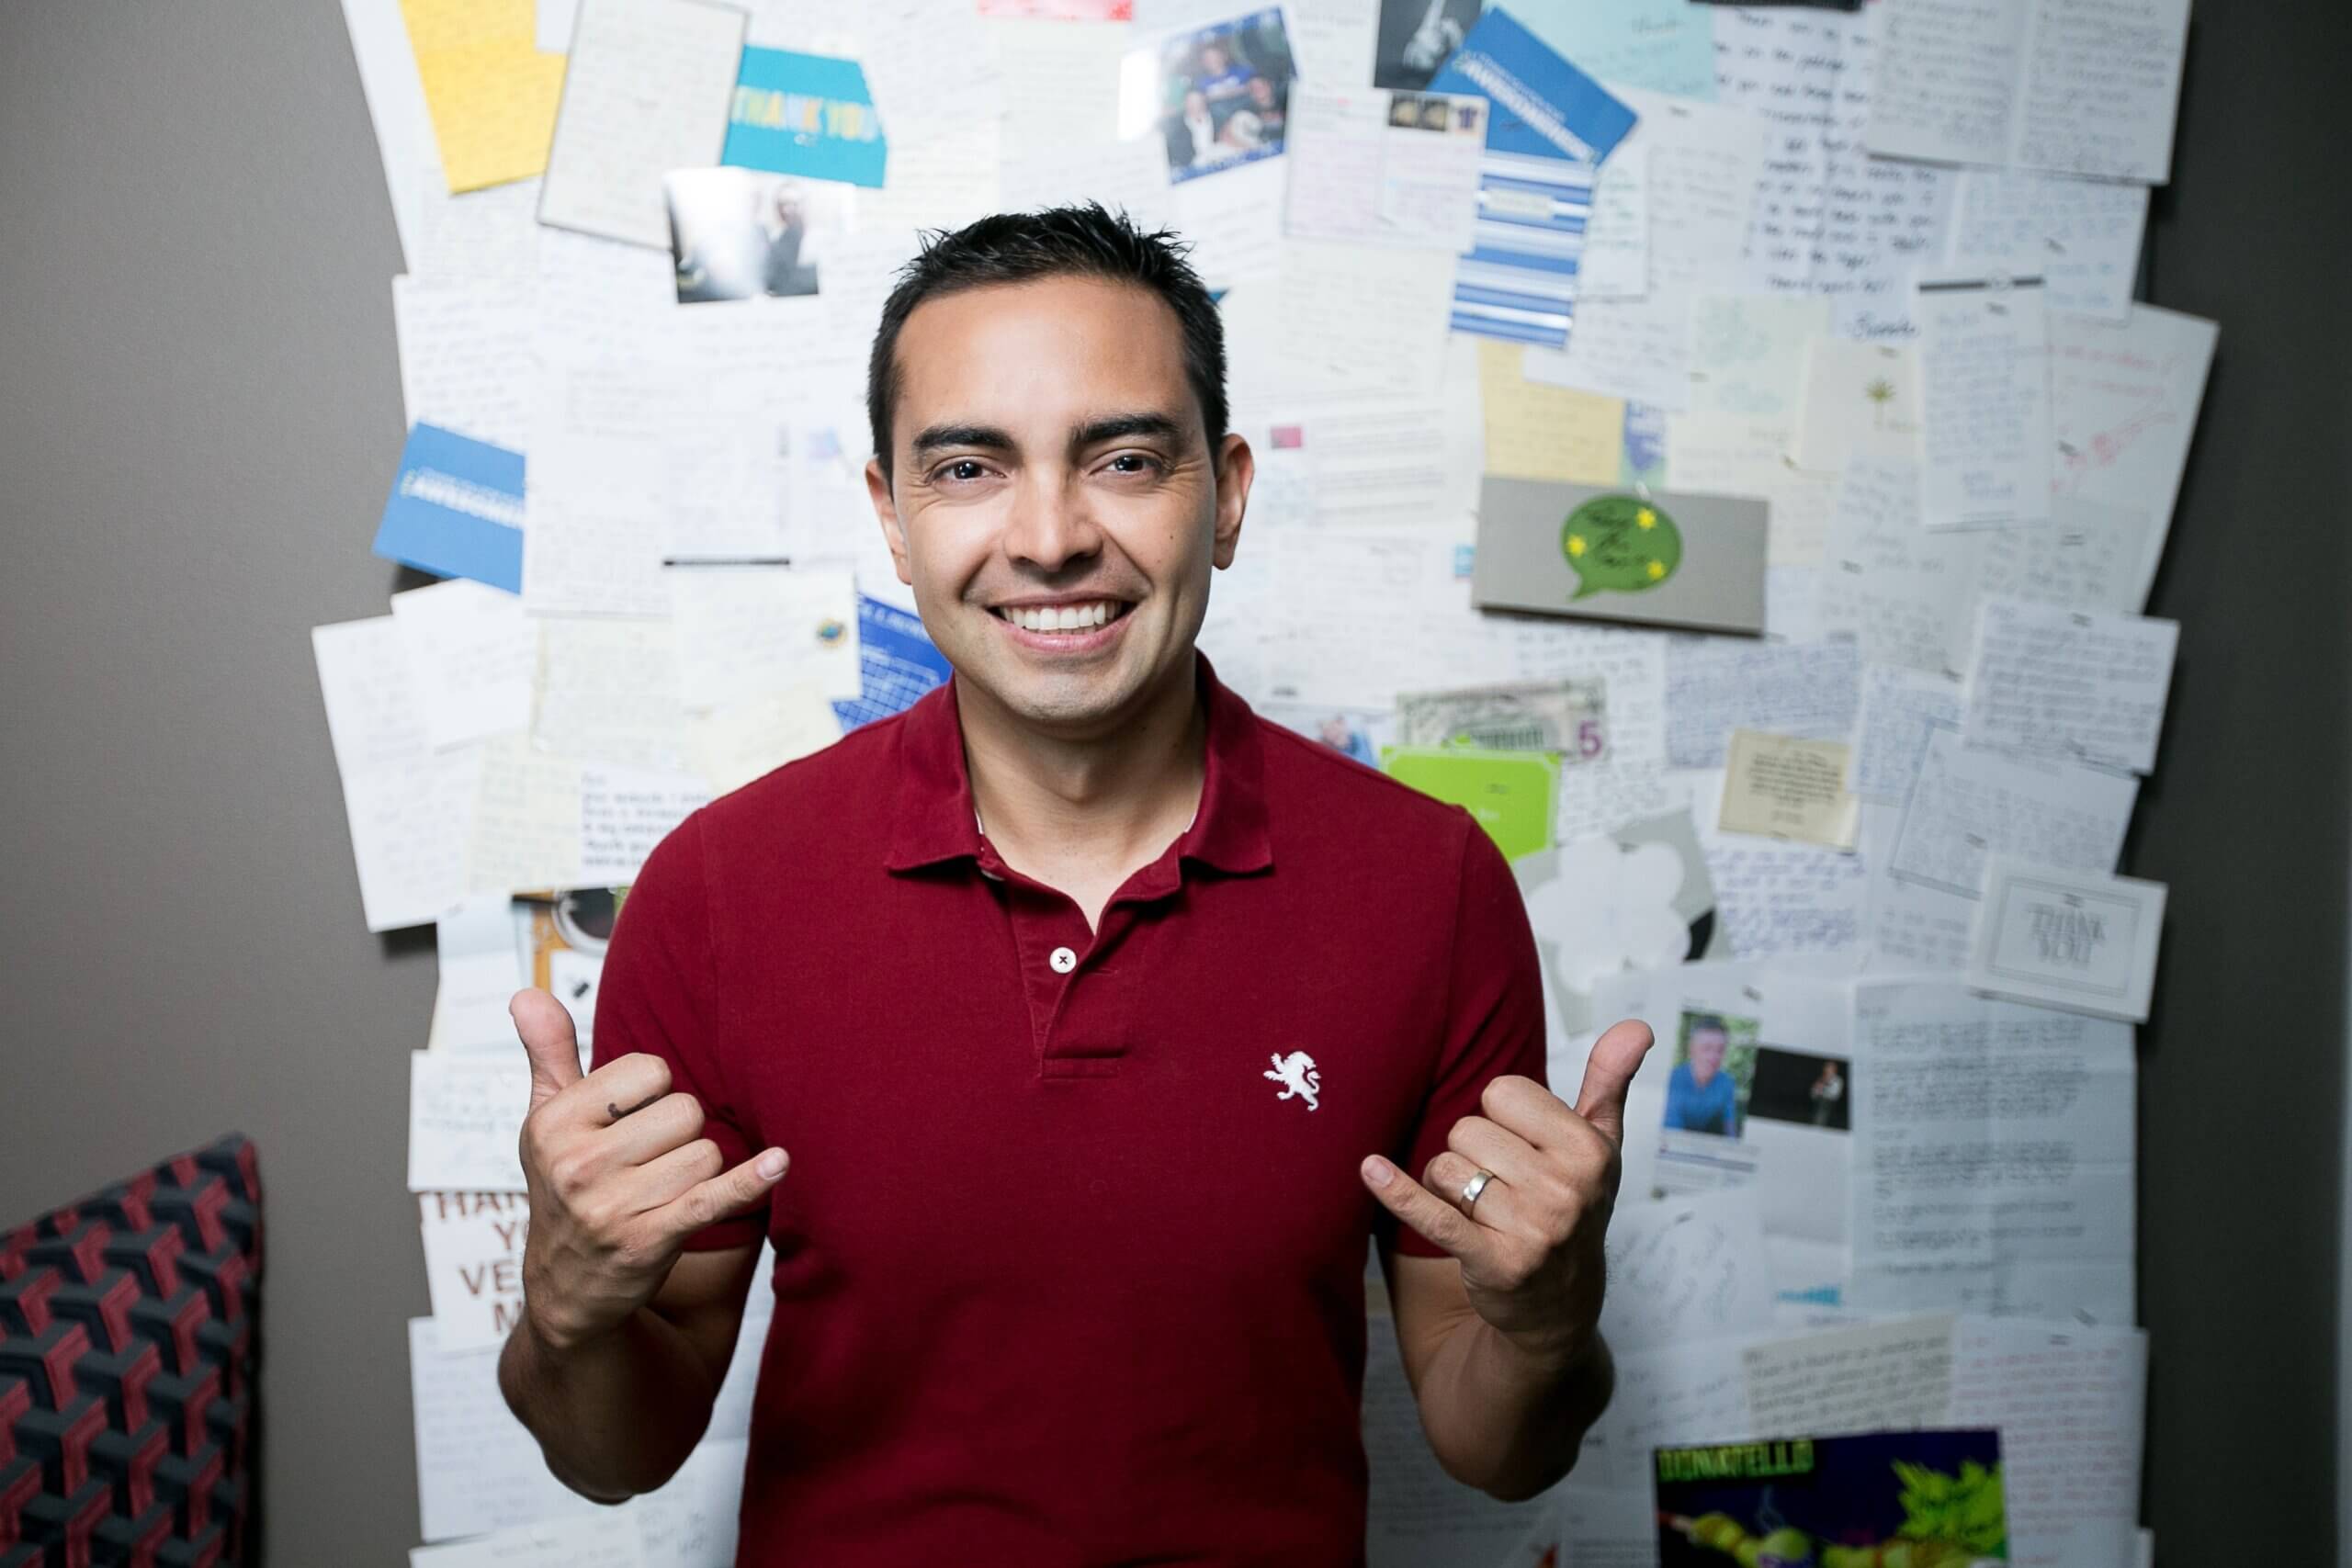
[[1568, 718]]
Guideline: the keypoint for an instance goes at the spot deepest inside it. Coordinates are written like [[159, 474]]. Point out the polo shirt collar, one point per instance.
[[937, 821]]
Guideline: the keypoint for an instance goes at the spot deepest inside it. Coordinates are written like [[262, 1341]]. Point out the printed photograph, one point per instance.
[[1925, 1498], [1442, 112], [1805, 1090], [1415, 37], [1714, 1066], [1219, 95], [741, 234]]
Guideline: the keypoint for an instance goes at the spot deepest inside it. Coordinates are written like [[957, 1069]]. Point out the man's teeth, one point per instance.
[[1061, 617]]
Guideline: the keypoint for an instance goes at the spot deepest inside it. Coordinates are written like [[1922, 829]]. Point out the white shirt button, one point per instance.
[[1063, 960]]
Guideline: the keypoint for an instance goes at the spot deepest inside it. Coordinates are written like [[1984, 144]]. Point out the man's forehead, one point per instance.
[[1061, 342]]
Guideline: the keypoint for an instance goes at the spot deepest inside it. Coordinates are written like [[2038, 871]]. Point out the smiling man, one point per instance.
[[1101, 1022]]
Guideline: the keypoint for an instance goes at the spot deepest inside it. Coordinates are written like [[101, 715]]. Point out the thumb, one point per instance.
[[549, 1041]]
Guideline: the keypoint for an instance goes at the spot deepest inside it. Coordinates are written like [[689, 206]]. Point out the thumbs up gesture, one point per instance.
[[620, 1176]]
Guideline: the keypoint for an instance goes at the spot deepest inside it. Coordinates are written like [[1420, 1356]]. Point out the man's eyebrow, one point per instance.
[[1112, 427], [983, 435]]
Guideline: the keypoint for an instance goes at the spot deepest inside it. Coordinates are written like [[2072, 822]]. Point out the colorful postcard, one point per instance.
[[1921, 1499]]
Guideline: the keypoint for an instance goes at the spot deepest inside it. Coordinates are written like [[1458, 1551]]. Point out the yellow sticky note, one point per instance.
[[1535, 432], [491, 92]]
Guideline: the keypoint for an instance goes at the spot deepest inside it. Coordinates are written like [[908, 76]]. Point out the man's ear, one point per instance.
[[1235, 467], [894, 534]]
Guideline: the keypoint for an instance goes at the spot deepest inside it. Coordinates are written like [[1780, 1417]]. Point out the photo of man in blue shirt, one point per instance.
[[1701, 1097]]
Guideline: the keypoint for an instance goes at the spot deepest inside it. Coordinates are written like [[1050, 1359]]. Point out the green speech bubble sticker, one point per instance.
[[1623, 543]]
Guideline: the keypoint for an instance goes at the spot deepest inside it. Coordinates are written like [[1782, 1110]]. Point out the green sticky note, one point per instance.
[[1510, 793]]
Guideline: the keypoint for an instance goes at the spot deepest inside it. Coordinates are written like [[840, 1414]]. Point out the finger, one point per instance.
[[624, 1085], [1501, 1205], [664, 1180], [549, 1039], [708, 1202], [1521, 1105], [1616, 1057], [1489, 1146], [645, 1134], [1437, 1221]]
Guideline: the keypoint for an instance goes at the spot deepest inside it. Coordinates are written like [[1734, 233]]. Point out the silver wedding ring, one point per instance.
[[1476, 1185]]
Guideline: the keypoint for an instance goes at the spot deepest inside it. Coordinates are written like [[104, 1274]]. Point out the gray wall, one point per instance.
[[2249, 813], [199, 414]]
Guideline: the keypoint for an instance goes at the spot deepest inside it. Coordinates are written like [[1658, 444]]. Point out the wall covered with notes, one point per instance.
[[1735, 450]]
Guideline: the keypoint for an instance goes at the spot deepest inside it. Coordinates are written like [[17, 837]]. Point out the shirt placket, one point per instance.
[[1074, 1016]]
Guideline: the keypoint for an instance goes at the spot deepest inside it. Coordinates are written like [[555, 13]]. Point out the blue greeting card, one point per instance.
[[804, 114], [456, 509]]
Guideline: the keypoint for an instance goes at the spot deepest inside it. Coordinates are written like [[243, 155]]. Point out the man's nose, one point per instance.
[[1051, 523]]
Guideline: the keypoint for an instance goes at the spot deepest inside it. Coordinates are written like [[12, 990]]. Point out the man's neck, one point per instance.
[[1084, 814]]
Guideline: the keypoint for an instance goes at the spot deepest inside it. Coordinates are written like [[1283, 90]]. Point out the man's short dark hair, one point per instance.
[[1707, 1022], [1062, 242]]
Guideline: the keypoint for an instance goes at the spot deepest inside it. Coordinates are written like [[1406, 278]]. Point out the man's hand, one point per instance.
[[1531, 1246], [620, 1176]]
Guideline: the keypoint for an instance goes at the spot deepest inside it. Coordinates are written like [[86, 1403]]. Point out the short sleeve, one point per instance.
[[1494, 1011], [656, 996]]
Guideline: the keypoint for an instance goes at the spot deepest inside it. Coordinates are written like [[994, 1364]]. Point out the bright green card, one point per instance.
[[1510, 793]]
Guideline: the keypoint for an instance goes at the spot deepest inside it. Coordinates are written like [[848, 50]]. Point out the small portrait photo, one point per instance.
[[1405, 110], [740, 233], [1805, 1091], [1415, 37], [1218, 95], [1714, 1066]]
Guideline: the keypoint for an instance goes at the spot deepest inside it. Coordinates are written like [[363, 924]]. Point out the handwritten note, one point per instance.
[[1748, 354], [1969, 803], [2053, 682], [1539, 432], [2070, 1401], [1714, 687], [2124, 402], [1993, 1156], [465, 1120], [1829, 219], [1984, 403], [465, 346], [1880, 1377], [1686, 1269], [489, 90], [2080, 237], [408, 806], [471, 653], [647, 91], [1899, 708], [2075, 87], [1783, 787]]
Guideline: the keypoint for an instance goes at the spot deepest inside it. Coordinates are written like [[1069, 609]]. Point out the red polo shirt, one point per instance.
[[1071, 1252]]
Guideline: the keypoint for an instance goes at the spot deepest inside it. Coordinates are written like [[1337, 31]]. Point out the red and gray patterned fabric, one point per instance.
[[127, 1340]]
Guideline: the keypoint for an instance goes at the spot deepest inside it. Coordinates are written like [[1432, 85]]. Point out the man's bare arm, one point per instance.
[[1501, 1335], [1500, 1418], [618, 1414]]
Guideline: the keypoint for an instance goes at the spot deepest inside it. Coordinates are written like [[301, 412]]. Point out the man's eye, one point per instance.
[[1133, 463], [962, 469]]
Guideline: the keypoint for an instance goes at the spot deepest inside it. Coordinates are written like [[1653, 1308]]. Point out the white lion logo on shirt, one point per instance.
[[1297, 1076]]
